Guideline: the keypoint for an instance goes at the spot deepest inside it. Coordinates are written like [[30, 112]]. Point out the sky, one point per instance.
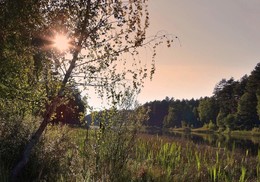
[[219, 39]]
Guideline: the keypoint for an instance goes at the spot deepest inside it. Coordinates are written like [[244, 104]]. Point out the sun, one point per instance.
[[61, 42]]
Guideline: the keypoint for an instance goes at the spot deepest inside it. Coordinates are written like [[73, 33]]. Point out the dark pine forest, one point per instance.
[[234, 105]]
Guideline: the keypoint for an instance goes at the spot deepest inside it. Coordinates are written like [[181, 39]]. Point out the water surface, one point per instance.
[[239, 143]]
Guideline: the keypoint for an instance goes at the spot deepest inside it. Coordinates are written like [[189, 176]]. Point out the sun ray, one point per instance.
[[61, 42]]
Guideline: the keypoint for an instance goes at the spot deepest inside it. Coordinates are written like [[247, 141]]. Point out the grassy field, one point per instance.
[[163, 159], [83, 155]]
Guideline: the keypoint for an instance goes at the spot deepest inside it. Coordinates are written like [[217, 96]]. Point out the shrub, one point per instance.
[[109, 148]]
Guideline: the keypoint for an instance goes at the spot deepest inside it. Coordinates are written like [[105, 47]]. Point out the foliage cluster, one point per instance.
[[51, 150], [105, 40]]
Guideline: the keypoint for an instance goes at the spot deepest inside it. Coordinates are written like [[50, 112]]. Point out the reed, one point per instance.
[[186, 161], [94, 156]]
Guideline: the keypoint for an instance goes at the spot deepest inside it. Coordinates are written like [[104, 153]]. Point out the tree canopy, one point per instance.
[[233, 106], [104, 37]]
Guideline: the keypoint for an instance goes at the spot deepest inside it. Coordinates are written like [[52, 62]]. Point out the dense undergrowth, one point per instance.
[[120, 154]]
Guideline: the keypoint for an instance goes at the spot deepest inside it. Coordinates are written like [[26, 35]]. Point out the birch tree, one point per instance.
[[84, 43]]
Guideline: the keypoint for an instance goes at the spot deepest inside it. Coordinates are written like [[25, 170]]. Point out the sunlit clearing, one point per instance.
[[61, 42]]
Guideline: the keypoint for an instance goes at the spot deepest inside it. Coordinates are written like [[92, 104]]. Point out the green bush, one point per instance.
[[108, 149], [48, 158]]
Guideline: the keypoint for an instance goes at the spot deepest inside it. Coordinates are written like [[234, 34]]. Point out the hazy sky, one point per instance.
[[219, 39]]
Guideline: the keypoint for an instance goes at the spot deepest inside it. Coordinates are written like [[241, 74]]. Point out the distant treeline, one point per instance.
[[235, 105]]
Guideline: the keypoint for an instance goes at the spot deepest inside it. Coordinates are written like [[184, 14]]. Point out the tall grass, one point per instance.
[[164, 160], [87, 156], [116, 153]]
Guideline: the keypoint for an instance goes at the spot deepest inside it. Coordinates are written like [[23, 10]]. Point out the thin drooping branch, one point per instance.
[[125, 49]]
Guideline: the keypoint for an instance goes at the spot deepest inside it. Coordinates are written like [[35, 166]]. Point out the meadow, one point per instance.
[[76, 154], [167, 159]]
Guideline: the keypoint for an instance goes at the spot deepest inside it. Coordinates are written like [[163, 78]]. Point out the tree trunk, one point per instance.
[[52, 107], [47, 117], [33, 140]]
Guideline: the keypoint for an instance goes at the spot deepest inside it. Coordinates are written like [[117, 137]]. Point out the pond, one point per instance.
[[242, 144]]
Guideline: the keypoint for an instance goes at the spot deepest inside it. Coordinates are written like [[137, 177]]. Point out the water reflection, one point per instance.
[[240, 143]]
